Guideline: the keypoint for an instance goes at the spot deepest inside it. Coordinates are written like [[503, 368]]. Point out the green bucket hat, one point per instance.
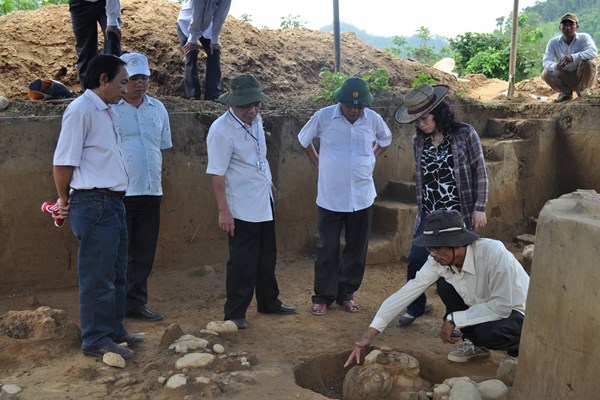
[[354, 92], [243, 89]]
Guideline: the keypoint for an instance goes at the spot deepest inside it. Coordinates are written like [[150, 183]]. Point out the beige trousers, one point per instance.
[[567, 81]]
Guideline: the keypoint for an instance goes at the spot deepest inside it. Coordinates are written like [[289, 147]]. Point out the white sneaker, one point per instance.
[[468, 351]]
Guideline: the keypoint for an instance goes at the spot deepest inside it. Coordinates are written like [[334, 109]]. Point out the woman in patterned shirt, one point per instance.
[[450, 171]]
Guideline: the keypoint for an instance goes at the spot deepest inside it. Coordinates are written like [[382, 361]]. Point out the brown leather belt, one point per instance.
[[106, 192]]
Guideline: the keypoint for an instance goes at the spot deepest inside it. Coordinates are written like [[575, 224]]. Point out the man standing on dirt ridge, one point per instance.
[[244, 190], [142, 123], [485, 291], [85, 17], [202, 20], [90, 178], [351, 137], [569, 61]]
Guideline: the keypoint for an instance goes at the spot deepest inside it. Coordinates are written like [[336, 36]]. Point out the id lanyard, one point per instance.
[[260, 164]]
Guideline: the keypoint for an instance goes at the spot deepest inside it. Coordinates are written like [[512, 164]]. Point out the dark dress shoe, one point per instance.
[[241, 323], [285, 309], [144, 314], [131, 340], [109, 348]]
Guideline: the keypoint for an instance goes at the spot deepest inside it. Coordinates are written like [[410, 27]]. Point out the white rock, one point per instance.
[[528, 252], [440, 391], [452, 381], [4, 103], [208, 332], [11, 388], [219, 349], [371, 358], [464, 390], [507, 370], [493, 389], [176, 381], [187, 343], [162, 380], [222, 326], [113, 360], [194, 360], [202, 379]]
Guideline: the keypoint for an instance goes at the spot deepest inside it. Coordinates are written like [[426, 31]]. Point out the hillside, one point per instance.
[[286, 62]]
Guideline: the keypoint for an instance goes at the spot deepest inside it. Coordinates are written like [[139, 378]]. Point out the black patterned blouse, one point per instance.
[[439, 184]]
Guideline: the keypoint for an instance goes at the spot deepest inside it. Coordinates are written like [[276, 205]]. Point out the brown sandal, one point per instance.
[[318, 309], [350, 306]]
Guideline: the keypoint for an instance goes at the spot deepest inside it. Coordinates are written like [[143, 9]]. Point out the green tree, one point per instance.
[[7, 6], [398, 48], [246, 18]]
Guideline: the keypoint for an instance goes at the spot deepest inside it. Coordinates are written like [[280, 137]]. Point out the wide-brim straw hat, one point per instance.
[[445, 228], [420, 101], [244, 89]]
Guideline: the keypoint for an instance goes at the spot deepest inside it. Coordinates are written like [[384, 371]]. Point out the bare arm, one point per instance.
[[361, 346], [225, 217], [312, 154], [62, 180], [378, 150]]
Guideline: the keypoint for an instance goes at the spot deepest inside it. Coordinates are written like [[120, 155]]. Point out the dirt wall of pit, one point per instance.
[[560, 355], [36, 255]]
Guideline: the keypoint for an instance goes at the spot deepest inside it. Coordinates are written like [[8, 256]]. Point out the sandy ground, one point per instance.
[[281, 349]]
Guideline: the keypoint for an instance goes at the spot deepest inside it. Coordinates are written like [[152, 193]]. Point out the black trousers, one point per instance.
[[85, 17], [251, 265], [142, 214], [212, 81], [337, 280], [504, 334]]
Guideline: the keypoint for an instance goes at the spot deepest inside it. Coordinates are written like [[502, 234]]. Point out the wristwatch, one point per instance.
[[450, 318]]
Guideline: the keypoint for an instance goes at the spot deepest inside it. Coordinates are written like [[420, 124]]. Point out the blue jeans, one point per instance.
[[416, 259], [98, 221]]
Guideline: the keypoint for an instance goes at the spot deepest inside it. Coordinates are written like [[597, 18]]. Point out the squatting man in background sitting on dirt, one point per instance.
[[243, 187], [351, 137], [484, 290], [142, 123], [90, 178], [569, 60]]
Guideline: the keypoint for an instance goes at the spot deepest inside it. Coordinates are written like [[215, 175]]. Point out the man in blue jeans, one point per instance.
[[90, 178]]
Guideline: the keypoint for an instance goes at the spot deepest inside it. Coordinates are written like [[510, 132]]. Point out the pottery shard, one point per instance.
[[372, 382]]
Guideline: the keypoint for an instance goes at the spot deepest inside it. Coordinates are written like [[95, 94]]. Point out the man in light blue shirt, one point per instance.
[[142, 123], [569, 60]]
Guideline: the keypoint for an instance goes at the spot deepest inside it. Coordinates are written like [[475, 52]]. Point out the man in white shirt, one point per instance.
[[351, 137], [243, 187], [90, 178], [142, 123], [202, 20], [484, 289], [569, 61]]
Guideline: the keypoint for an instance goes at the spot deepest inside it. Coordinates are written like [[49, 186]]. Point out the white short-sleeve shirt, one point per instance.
[[346, 157], [239, 153], [88, 141]]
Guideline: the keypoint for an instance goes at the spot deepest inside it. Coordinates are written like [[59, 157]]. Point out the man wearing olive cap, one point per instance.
[[569, 60], [351, 137], [484, 290], [243, 187]]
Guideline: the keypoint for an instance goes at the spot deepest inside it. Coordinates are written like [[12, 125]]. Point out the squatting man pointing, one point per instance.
[[484, 290]]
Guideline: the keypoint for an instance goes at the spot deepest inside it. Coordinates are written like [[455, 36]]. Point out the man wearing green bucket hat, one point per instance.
[[351, 137], [243, 187]]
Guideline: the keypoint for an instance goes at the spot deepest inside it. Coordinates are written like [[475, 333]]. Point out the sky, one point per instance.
[[447, 18]]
